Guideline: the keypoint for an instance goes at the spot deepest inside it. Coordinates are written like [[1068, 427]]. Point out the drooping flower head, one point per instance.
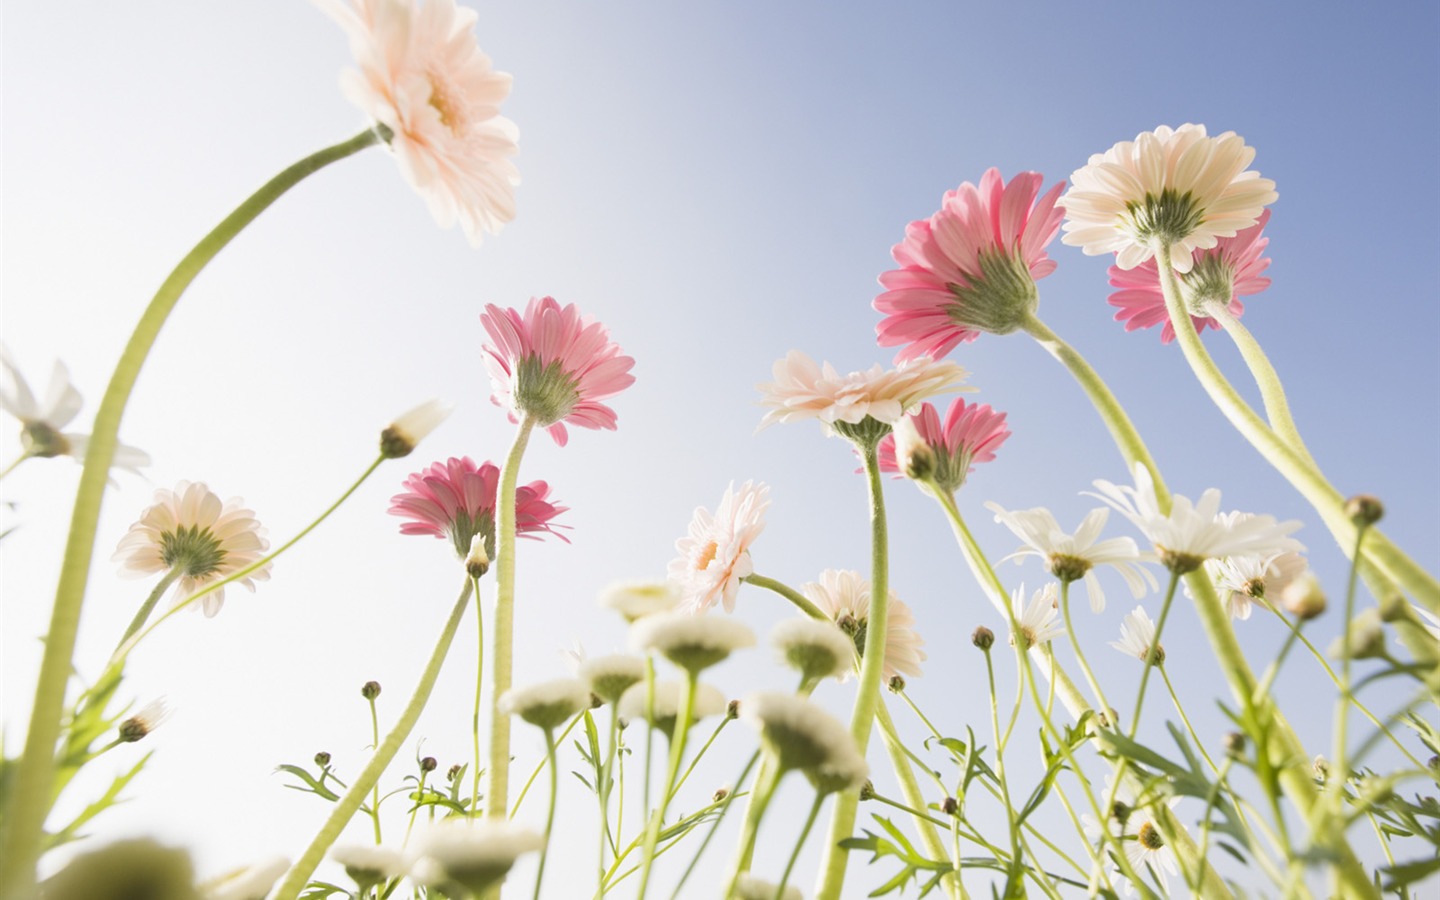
[[549, 704], [843, 403], [1037, 618], [715, 556], [554, 364], [423, 78], [970, 434], [970, 267], [1072, 557], [465, 857], [456, 500], [1173, 185], [844, 596], [1243, 578], [40, 423], [799, 734], [690, 640], [190, 529], [1232, 269]]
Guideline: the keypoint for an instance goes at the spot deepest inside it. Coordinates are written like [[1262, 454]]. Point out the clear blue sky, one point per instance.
[[718, 183]]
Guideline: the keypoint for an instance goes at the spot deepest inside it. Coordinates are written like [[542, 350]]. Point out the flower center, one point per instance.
[[547, 392], [41, 439], [1068, 568], [193, 550], [449, 103], [1149, 837], [1179, 563], [1255, 587], [1171, 217], [1000, 298], [854, 626], [706, 557]]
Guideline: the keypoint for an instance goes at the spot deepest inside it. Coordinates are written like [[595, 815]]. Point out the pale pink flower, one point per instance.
[[554, 364], [844, 596], [191, 530], [1223, 274], [804, 390], [456, 500], [715, 556], [970, 267], [1175, 185], [970, 434], [422, 76]]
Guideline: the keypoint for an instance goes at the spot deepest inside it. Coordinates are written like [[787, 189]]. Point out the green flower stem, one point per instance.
[[765, 784], [1000, 756], [543, 764], [1153, 652], [788, 593], [867, 695], [1347, 687], [1179, 709], [681, 827], [1080, 653], [28, 803], [1288, 461], [147, 607], [602, 791], [677, 755], [18, 460], [550, 811], [799, 842], [479, 683], [299, 873], [695, 760], [910, 789], [715, 825], [375, 795], [497, 777]]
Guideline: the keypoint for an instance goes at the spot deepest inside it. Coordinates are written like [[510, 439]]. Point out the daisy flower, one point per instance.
[[635, 599], [190, 530], [456, 500], [1241, 579], [970, 434], [467, 856], [1195, 532], [250, 883], [1177, 186], [1071, 557], [41, 423], [814, 648], [692, 642], [844, 596], [804, 390], [715, 556], [401, 436], [708, 702], [1036, 619], [1232, 269], [549, 704], [800, 735], [368, 864], [555, 365], [1143, 843], [150, 717], [970, 267], [1137, 636], [423, 78], [748, 887]]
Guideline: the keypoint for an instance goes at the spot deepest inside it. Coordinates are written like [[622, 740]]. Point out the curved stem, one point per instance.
[[1152, 654], [788, 593], [299, 873], [550, 812], [1272, 393], [677, 754], [543, 764], [715, 824], [375, 794], [497, 777], [799, 842], [1080, 653], [18, 460], [479, 683], [759, 801], [147, 607], [28, 802], [910, 789]]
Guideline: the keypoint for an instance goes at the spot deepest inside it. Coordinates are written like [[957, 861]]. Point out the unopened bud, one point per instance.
[[322, 759], [402, 435], [1364, 637], [1235, 743], [477, 563], [896, 684], [428, 764], [732, 709], [1120, 812], [1321, 768], [913, 456], [848, 624], [720, 794], [370, 690], [1303, 597], [453, 772], [1364, 509], [983, 638], [145, 721], [1433, 762], [867, 790], [950, 806]]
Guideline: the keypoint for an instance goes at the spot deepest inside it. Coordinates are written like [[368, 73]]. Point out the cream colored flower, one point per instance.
[[844, 596], [714, 557], [804, 390]]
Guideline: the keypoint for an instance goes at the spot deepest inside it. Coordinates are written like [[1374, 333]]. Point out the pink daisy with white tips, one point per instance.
[[971, 267], [555, 365]]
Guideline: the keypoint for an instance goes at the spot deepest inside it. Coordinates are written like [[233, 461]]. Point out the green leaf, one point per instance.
[[308, 783], [108, 799], [1408, 873]]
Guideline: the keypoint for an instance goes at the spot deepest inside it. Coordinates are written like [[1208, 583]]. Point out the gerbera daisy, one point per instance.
[[970, 267], [715, 556], [1232, 269], [423, 78], [191, 531], [1071, 557], [554, 364], [1173, 185], [456, 500], [970, 434], [844, 596]]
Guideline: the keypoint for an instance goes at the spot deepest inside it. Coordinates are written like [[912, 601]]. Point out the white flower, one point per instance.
[[1174, 185], [844, 596], [410, 428], [1036, 619], [368, 864], [1193, 533], [40, 433], [751, 888], [150, 717], [814, 648], [423, 77], [1146, 846], [714, 557], [191, 530], [1243, 578], [475, 854], [803, 736], [548, 704], [610, 676], [636, 599], [1137, 636], [693, 642], [708, 702], [804, 390], [250, 883], [1074, 556]]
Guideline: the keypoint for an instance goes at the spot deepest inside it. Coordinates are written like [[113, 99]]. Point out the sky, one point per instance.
[[718, 184]]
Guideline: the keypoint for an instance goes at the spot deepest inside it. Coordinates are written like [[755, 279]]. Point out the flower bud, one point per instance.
[[1364, 509], [428, 764], [867, 790], [950, 806], [983, 638], [322, 759], [1321, 768], [453, 772], [145, 721], [732, 709], [896, 684], [402, 435], [1303, 597], [477, 563], [913, 455], [1234, 744], [720, 794], [370, 690]]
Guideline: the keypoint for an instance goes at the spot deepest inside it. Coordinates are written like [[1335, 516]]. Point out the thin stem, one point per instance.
[[715, 825], [543, 764], [1175, 701], [694, 760], [18, 460], [479, 683], [910, 788], [1347, 692], [29, 799], [550, 812], [1000, 757], [799, 842], [1080, 653], [299, 873], [375, 795], [788, 593], [677, 754], [602, 791], [147, 607], [1152, 655], [759, 801], [497, 777], [1272, 392]]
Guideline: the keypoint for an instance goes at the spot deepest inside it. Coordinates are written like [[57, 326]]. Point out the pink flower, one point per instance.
[[844, 596], [715, 556], [422, 76], [554, 364], [971, 267], [970, 434], [1232, 269], [456, 500]]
